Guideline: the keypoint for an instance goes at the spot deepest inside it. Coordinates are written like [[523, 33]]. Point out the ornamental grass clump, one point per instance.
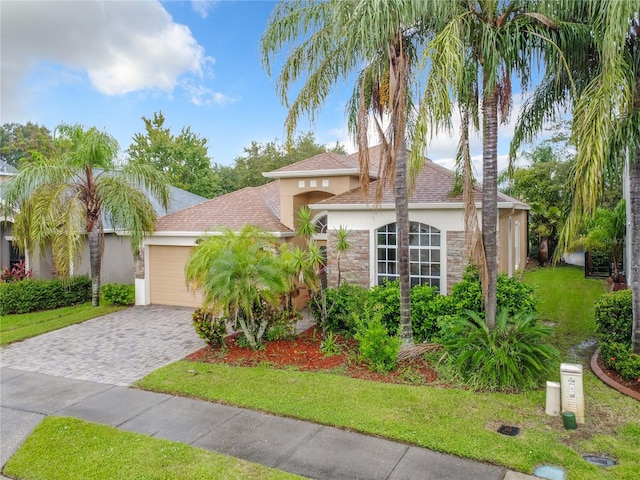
[[513, 356]]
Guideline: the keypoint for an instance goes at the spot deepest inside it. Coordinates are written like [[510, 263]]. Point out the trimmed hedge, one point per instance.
[[614, 320], [35, 294]]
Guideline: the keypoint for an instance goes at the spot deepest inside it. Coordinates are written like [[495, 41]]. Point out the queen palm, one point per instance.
[[379, 41], [606, 126], [65, 198], [605, 63], [472, 59]]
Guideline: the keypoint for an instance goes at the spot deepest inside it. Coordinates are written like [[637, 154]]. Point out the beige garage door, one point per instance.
[[166, 277]]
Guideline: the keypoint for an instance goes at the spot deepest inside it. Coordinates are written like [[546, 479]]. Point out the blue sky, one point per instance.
[[107, 64]]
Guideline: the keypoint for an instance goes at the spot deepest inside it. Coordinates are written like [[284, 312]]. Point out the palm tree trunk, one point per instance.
[[402, 222], [634, 234], [490, 197], [95, 261]]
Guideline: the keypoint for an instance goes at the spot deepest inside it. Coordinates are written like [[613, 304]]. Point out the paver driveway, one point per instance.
[[117, 348]]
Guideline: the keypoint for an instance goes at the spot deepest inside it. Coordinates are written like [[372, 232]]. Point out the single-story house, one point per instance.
[[329, 184], [118, 260]]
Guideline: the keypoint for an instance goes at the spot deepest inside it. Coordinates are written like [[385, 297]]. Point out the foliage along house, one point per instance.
[[329, 184]]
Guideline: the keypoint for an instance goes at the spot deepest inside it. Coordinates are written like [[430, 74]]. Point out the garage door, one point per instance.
[[166, 277]]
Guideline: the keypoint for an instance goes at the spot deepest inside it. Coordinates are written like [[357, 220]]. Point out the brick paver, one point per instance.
[[117, 348]]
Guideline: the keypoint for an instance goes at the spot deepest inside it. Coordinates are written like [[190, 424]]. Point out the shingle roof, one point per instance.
[[433, 185], [258, 206], [324, 161]]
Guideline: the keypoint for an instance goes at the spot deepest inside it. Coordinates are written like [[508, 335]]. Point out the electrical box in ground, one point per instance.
[[571, 389]]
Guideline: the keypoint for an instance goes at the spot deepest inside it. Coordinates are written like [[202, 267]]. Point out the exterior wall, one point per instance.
[[293, 187], [117, 260], [512, 246], [354, 263], [457, 258]]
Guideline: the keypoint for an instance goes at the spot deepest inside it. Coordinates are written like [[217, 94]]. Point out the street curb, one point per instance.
[[595, 368]]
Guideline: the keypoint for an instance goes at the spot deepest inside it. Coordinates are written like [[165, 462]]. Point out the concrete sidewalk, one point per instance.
[[303, 448]]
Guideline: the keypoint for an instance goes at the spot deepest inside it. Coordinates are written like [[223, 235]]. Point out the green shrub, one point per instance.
[[341, 303], [376, 345], [282, 324], [210, 328], [512, 294], [614, 323], [513, 356], [614, 317], [618, 356], [119, 294], [34, 294]]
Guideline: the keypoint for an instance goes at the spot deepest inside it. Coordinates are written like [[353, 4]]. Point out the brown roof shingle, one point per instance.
[[432, 185], [258, 206]]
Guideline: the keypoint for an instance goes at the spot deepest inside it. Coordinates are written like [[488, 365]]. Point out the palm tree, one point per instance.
[[239, 274], [606, 126], [380, 41], [66, 197], [472, 59]]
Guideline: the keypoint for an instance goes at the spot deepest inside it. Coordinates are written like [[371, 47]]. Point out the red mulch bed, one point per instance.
[[304, 353], [630, 384]]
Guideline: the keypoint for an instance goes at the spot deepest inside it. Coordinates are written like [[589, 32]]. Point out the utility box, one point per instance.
[[572, 390], [552, 407]]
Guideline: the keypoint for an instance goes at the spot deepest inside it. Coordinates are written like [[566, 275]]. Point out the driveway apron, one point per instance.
[[115, 349]]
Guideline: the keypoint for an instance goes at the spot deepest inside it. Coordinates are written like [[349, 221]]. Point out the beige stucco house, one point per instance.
[[329, 184]]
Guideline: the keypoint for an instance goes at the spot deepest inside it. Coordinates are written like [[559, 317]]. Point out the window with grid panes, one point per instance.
[[424, 254]]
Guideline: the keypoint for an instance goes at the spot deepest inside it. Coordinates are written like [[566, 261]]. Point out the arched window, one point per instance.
[[321, 224], [424, 254]]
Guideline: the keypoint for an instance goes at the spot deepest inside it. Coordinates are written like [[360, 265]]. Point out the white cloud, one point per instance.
[[200, 95], [203, 7], [122, 46]]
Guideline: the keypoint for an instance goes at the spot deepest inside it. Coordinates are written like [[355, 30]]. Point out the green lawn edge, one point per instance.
[[448, 420], [86, 450], [18, 327]]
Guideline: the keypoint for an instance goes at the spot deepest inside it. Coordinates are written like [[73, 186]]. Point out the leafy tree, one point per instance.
[[183, 158], [264, 157], [544, 183], [65, 197], [241, 274], [17, 141]]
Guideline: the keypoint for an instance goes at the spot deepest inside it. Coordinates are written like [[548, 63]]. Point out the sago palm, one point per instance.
[[65, 198]]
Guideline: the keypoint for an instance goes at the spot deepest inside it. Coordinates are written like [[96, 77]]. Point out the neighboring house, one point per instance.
[[329, 184], [118, 260], [9, 254]]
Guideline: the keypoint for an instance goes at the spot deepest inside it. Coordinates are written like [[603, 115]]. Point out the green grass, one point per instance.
[[449, 420], [83, 450], [27, 325], [567, 299]]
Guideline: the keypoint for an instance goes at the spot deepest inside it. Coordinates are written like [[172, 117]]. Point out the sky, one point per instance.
[[109, 63]]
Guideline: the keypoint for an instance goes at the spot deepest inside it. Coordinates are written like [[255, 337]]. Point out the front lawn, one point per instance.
[[27, 325], [450, 420], [83, 450]]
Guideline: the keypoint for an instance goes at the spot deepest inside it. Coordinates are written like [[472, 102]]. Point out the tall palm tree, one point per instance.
[[66, 197], [606, 126], [331, 41], [472, 59]]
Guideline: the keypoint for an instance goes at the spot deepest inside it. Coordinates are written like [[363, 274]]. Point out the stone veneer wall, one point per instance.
[[354, 263], [456, 258]]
